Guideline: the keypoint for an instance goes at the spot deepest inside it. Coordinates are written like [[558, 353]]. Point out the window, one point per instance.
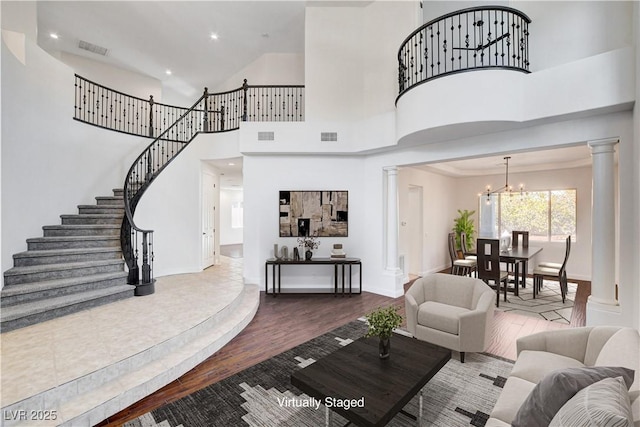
[[237, 213], [549, 215]]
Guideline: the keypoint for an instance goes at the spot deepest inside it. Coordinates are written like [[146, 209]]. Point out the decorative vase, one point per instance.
[[276, 253], [308, 254], [384, 347]]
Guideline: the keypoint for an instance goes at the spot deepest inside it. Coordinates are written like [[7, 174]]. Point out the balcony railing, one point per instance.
[[469, 39], [101, 106]]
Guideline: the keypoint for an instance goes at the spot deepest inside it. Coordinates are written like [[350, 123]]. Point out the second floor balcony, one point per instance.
[[469, 39]]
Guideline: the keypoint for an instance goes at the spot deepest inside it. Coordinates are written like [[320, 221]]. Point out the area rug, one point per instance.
[[459, 395], [547, 305]]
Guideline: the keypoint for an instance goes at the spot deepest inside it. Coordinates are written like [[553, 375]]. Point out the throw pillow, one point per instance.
[[557, 387], [605, 404]]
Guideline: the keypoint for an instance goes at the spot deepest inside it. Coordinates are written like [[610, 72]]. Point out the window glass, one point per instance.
[[548, 215]]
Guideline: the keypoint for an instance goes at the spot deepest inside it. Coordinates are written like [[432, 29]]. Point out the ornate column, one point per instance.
[[392, 220], [603, 250]]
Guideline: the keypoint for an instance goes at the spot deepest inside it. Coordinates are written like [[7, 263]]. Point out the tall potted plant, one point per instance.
[[464, 224], [382, 322]]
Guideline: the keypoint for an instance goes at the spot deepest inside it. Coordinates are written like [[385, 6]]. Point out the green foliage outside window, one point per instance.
[[547, 215]]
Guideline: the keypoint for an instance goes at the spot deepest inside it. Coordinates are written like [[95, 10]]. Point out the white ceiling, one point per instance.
[[532, 161], [150, 37]]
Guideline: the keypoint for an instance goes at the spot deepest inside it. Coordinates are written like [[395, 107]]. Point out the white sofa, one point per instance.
[[454, 312], [544, 352]]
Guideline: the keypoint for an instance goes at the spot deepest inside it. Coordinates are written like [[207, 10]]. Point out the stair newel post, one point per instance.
[[146, 268], [151, 115], [205, 120], [245, 89]]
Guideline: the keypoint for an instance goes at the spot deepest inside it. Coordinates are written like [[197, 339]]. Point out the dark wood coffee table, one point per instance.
[[387, 385]]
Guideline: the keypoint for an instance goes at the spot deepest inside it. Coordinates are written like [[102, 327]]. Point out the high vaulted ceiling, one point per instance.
[[151, 37]]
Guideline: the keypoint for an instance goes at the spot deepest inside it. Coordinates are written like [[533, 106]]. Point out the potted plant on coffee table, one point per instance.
[[382, 322]]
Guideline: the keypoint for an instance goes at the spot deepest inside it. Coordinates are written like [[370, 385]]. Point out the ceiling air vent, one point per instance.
[[329, 136], [94, 48], [266, 136]]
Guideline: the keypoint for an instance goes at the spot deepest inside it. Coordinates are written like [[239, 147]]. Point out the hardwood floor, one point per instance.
[[289, 320]]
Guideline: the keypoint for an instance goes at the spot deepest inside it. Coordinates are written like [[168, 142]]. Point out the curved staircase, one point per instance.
[[75, 266]]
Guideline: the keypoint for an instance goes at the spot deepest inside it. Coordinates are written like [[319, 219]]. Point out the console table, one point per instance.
[[276, 265]]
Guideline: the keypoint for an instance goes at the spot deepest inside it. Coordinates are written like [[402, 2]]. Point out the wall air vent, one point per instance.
[[329, 136], [266, 136], [93, 48]]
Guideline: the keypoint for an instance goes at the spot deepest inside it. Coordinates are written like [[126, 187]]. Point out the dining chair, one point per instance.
[[554, 271], [488, 252], [461, 267], [464, 247], [518, 237]]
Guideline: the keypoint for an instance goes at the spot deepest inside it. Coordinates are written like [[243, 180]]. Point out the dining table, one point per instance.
[[518, 255]]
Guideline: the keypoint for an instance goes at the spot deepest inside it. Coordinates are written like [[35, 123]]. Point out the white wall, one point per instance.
[[124, 81], [172, 205], [269, 69], [349, 52], [50, 162], [439, 210], [261, 222], [228, 234]]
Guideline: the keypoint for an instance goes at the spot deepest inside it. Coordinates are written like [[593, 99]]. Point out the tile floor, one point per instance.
[[43, 356]]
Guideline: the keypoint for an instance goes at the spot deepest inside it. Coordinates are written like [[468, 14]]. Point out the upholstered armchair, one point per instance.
[[451, 311]]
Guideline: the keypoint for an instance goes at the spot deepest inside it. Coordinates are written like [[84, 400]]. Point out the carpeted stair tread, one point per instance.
[[72, 251], [71, 238], [23, 288], [79, 226], [23, 310], [96, 216], [15, 271]]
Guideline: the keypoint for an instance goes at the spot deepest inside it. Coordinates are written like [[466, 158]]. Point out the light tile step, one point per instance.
[[29, 292], [110, 200], [91, 398], [101, 209], [93, 406], [81, 230], [68, 242], [91, 219], [59, 256], [18, 316], [37, 273]]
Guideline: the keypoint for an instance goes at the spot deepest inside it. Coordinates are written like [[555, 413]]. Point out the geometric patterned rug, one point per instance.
[[547, 305], [459, 395]]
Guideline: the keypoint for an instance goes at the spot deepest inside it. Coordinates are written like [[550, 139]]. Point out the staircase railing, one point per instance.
[[210, 113], [469, 39], [137, 242], [107, 108]]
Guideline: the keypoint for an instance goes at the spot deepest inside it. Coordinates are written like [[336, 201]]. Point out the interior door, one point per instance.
[[208, 219]]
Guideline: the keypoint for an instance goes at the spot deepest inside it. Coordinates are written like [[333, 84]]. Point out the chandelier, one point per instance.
[[506, 188]]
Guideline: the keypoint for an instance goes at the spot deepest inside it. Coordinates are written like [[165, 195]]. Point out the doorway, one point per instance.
[[208, 219]]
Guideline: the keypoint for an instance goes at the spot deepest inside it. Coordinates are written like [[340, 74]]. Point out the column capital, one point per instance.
[[391, 170], [605, 145]]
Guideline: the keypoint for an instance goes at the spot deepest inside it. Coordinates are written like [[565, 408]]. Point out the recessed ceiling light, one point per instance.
[[231, 164], [53, 36], [168, 72], [214, 36]]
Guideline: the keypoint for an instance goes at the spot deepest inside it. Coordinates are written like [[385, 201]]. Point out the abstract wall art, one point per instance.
[[314, 213]]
